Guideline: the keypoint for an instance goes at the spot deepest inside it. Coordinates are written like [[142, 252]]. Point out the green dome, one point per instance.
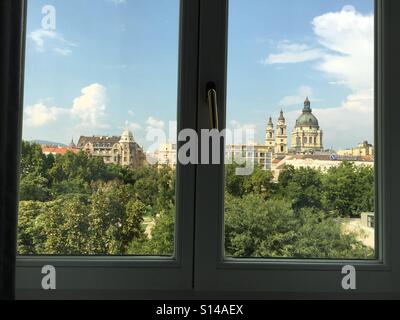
[[307, 119]]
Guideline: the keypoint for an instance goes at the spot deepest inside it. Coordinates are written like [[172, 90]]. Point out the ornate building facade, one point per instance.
[[121, 150], [307, 135]]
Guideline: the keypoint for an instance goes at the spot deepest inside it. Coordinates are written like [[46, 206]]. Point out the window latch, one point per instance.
[[213, 106]]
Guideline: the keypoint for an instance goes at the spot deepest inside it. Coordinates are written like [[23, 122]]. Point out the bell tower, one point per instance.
[[270, 136], [281, 147]]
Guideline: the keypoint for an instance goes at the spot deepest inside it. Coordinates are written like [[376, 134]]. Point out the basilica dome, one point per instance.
[[307, 119]]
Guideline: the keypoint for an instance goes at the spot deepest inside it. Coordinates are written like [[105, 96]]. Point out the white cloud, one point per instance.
[[349, 37], [40, 35], [131, 113], [298, 98], [346, 58], [58, 43], [89, 109], [293, 53], [90, 106], [153, 123], [39, 114]]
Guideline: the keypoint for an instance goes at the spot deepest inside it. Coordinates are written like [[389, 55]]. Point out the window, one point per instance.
[[300, 210], [289, 225], [92, 105], [90, 80], [252, 244]]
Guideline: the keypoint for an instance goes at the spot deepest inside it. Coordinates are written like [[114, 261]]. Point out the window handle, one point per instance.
[[213, 106]]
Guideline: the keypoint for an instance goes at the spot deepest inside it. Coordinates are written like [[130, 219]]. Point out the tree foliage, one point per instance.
[[75, 204]]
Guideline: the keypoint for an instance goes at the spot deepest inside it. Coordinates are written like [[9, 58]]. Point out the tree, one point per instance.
[[162, 239], [33, 161], [260, 182], [234, 184], [302, 186], [349, 190], [65, 226], [31, 237], [33, 186], [272, 229], [115, 219]]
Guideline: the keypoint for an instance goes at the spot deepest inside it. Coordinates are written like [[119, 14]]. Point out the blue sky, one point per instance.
[[113, 63]]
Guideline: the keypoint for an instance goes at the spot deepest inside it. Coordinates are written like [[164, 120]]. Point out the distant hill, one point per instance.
[[48, 143]]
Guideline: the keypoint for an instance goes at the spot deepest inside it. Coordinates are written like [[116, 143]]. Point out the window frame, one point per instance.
[[282, 279], [98, 276], [11, 65], [298, 277]]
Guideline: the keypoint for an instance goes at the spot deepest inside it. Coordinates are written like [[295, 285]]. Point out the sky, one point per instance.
[[111, 64]]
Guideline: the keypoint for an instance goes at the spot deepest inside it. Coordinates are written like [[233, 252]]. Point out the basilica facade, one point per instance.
[[306, 135]]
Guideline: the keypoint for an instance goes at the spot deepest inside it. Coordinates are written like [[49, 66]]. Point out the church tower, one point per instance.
[[270, 136], [281, 147]]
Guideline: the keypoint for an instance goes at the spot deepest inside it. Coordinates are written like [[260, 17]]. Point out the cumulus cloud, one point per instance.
[[40, 114], [90, 106], [349, 37], [346, 58], [89, 109]]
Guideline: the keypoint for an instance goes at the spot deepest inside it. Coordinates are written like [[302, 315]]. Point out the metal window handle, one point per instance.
[[213, 108]]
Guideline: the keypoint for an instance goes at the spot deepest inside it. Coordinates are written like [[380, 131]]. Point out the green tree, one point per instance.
[[115, 219], [303, 187], [349, 190], [258, 228], [33, 186], [33, 161], [162, 239], [31, 237], [65, 226], [234, 184]]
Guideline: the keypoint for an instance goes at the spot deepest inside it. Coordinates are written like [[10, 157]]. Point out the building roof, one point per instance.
[[270, 123], [103, 140], [281, 117], [58, 150], [127, 136]]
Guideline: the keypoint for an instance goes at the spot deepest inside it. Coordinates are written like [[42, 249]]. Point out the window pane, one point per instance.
[[100, 90], [301, 90]]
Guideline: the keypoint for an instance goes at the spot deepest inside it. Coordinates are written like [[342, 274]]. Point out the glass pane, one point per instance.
[[301, 89], [99, 128]]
